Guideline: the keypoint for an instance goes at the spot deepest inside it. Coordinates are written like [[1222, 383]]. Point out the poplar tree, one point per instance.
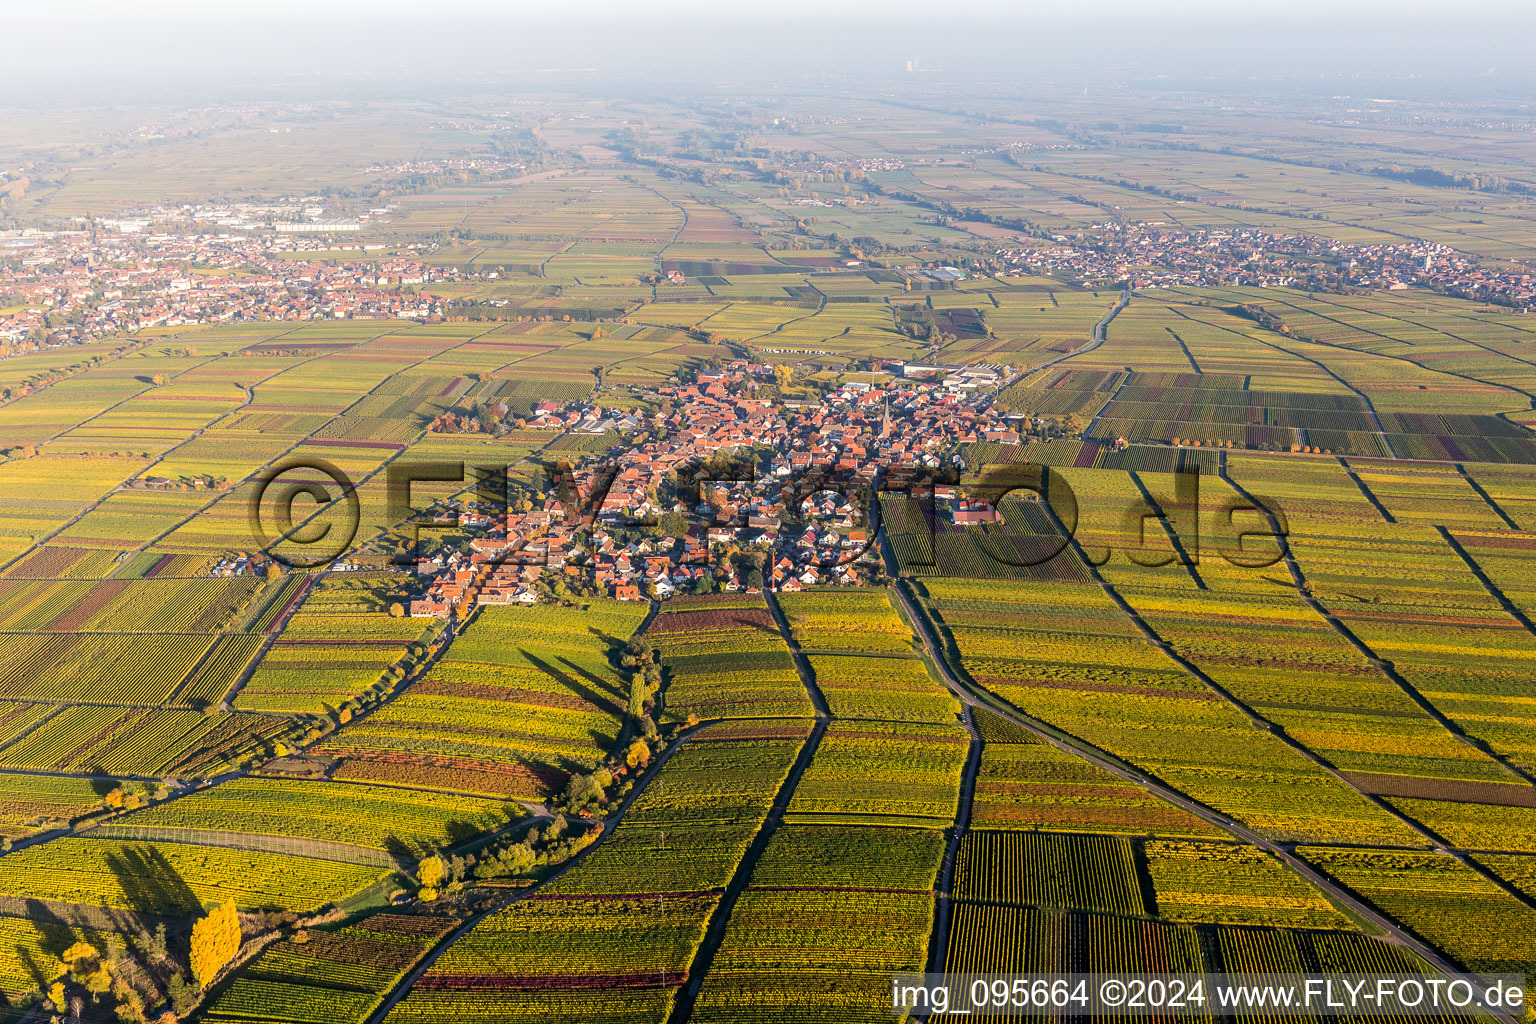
[[215, 941]]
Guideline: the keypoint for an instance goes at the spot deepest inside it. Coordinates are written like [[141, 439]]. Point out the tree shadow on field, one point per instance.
[[54, 937], [606, 685], [462, 830], [615, 653], [566, 765], [399, 851], [581, 690], [55, 934], [41, 975], [151, 884], [753, 625]]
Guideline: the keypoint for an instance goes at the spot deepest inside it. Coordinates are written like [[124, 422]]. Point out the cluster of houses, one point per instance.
[[70, 286], [1152, 255], [962, 510], [767, 494], [588, 419], [480, 165]]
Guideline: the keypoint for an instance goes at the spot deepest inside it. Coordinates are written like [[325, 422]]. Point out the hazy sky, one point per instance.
[[63, 12], [53, 50]]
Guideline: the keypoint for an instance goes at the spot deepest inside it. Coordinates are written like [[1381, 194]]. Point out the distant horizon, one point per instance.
[[70, 11], [89, 52]]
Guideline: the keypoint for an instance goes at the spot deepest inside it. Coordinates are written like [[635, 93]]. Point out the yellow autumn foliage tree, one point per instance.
[[215, 941], [429, 872]]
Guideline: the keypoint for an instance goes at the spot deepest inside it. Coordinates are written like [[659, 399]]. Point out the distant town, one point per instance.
[[1154, 255], [210, 264]]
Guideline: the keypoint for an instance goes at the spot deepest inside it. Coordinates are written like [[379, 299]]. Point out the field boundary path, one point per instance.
[[1104, 409], [1392, 355], [1365, 490], [802, 665], [1370, 407], [719, 919], [1191, 564], [608, 824], [1386, 668], [938, 942], [1395, 932], [1366, 651], [1488, 584], [215, 496], [1487, 498]]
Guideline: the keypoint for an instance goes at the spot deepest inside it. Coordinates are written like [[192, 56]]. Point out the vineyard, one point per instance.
[[689, 829], [1469, 917], [89, 738], [1218, 883], [1068, 656], [130, 668], [1044, 870], [27, 946], [725, 657], [331, 977], [829, 913], [397, 820], [338, 643], [1017, 939], [634, 913], [798, 955], [858, 621], [182, 605], [1033, 785], [29, 803], [521, 697], [173, 879], [882, 773], [891, 689]]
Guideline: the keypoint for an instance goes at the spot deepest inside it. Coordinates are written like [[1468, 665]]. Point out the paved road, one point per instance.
[[977, 697], [1098, 332]]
